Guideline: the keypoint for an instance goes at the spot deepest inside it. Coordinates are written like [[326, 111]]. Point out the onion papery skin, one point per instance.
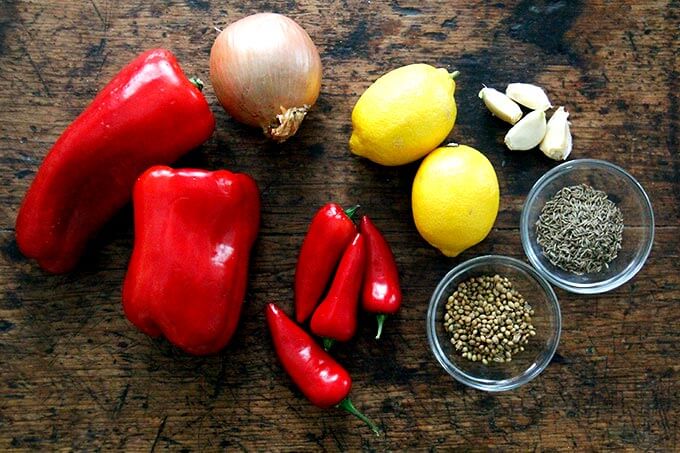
[[266, 72]]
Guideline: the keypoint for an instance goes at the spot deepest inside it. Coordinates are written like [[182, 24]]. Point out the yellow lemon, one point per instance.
[[455, 198], [404, 115]]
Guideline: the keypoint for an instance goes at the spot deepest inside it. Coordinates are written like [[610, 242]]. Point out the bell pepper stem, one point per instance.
[[198, 83], [328, 343], [454, 74], [381, 320], [349, 212], [347, 405]]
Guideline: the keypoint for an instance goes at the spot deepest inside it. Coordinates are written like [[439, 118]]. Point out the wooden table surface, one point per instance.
[[77, 375]]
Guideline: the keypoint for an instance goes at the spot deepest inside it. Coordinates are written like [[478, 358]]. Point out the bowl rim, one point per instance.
[[490, 385], [585, 288]]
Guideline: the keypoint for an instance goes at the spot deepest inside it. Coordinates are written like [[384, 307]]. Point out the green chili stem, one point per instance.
[[198, 83], [351, 211], [381, 320], [347, 405], [328, 343]]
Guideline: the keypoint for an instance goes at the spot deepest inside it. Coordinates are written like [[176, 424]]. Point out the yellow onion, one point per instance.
[[266, 72]]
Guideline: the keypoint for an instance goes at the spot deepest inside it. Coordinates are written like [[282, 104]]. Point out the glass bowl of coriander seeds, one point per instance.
[[587, 226], [493, 323]]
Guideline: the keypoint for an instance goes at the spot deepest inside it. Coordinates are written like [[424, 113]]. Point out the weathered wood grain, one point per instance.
[[77, 375]]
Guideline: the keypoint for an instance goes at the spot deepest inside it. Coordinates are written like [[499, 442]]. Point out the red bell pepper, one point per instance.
[[150, 113], [381, 293], [336, 316], [194, 230], [329, 233], [320, 378]]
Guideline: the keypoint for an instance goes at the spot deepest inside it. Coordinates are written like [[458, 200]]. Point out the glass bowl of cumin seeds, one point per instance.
[[482, 340], [587, 226]]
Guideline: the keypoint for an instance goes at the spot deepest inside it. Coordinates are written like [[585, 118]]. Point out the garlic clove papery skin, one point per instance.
[[527, 133], [528, 95], [500, 105], [557, 141]]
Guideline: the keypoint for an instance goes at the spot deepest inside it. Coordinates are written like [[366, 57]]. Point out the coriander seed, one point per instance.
[[488, 320]]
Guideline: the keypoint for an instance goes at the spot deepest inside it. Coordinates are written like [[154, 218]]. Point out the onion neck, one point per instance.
[[286, 123]]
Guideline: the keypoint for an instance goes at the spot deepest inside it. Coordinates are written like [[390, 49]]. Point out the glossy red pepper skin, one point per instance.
[[150, 113], [329, 233], [381, 293], [336, 315], [321, 379], [187, 277]]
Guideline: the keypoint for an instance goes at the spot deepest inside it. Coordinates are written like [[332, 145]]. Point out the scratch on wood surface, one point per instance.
[[90, 391], [219, 379], [96, 10], [161, 427], [631, 40], [121, 400], [101, 66], [318, 438], [37, 71], [338, 442]]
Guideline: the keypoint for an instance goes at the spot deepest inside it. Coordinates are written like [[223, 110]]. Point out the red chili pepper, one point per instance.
[[381, 292], [194, 230], [150, 113], [336, 316], [320, 378], [329, 233]]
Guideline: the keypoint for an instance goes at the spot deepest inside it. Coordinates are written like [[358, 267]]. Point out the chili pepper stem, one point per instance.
[[347, 405], [381, 320], [198, 83], [328, 343], [351, 211]]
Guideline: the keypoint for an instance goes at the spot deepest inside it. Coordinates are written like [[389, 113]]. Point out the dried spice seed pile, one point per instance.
[[488, 320], [580, 229]]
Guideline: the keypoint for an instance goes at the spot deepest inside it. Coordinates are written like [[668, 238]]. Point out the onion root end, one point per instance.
[[286, 123]]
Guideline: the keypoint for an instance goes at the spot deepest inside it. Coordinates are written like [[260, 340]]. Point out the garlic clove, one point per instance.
[[501, 105], [557, 141], [527, 133], [530, 96]]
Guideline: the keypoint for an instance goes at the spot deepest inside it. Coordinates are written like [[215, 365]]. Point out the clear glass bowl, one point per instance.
[[538, 352], [622, 189]]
